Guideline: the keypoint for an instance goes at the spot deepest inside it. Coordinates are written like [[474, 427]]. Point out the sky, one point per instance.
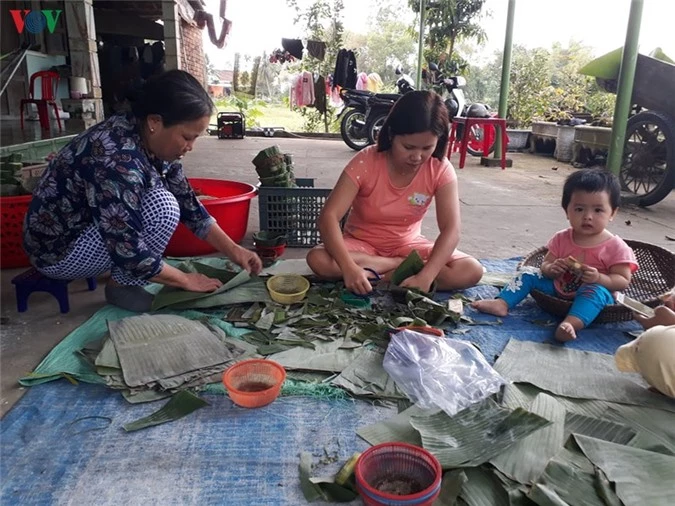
[[259, 25]]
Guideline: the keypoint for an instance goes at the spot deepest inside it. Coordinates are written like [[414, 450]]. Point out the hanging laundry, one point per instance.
[[294, 91], [320, 94], [316, 49], [374, 82], [345, 69], [362, 81], [293, 46], [307, 87]]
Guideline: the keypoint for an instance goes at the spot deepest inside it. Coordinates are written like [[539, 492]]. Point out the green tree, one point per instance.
[[449, 22], [244, 79], [388, 43], [235, 72]]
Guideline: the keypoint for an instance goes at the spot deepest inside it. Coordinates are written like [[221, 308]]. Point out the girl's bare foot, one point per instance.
[[565, 332], [497, 307]]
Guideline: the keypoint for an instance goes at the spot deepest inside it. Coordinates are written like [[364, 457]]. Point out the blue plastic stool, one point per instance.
[[34, 281]]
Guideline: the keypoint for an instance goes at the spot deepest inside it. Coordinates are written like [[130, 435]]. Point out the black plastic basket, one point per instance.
[[231, 125], [293, 211]]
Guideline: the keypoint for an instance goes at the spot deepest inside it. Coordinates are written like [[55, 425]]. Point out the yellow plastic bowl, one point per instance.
[[287, 288]]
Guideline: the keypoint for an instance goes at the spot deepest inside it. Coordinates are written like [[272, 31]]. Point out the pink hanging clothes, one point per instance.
[[362, 81]]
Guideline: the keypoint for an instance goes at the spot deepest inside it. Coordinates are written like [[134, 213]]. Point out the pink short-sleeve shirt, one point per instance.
[[383, 215], [603, 256]]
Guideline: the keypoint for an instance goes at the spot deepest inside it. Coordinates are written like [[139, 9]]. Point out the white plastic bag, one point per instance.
[[436, 372]]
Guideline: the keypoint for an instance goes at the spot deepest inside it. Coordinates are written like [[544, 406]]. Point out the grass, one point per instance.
[[273, 115]]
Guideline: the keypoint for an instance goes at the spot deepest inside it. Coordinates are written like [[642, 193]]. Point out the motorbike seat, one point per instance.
[[364, 93], [388, 96]]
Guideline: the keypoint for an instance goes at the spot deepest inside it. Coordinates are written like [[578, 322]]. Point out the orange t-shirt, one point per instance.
[[386, 216]]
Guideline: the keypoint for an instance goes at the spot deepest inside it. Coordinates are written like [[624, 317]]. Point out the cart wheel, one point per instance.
[[648, 166]]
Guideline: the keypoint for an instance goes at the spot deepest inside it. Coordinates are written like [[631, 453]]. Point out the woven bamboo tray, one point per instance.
[[655, 277]]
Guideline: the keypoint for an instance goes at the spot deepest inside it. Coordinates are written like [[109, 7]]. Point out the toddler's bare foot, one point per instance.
[[497, 307], [565, 332]]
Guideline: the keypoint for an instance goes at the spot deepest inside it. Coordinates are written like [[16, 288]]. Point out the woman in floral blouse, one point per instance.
[[112, 198]]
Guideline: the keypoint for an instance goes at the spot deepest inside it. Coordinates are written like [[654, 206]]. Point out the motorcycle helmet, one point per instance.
[[477, 111], [453, 107]]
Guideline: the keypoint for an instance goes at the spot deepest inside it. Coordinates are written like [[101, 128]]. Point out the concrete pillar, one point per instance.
[[81, 31], [172, 42]]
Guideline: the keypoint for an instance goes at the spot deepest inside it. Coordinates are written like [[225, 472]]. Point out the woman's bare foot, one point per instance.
[[565, 332], [497, 307]]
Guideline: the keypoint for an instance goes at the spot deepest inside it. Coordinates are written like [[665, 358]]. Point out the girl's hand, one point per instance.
[[196, 282], [418, 281], [557, 267], [247, 260], [590, 274], [356, 281]]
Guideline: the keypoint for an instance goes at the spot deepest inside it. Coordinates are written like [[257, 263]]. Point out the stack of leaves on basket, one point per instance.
[[274, 168]]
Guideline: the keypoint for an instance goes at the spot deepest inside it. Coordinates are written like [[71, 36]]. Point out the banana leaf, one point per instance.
[[396, 428], [409, 267], [154, 347], [578, 374], [641, 477], [483, 488], [597, 428], [451, 487], [326, 356], [569, 477], [180, 405], [526, 460], [476, 434], [172, 296], [365, 376]]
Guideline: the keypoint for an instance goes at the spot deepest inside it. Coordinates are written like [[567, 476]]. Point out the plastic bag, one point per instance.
[[437, 372]]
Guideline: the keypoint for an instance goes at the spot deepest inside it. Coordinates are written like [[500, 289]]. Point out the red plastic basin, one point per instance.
[[230, 209]]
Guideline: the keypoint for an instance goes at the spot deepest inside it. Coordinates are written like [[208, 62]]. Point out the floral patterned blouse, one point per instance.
[[100, 178]]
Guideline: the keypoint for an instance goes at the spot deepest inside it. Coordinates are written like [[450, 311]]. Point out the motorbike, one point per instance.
[[378, 106], [354, 127], [455, 100], [353, 117]]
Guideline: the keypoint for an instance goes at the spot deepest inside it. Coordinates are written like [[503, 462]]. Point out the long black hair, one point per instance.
[[413, 113], [174, 95]]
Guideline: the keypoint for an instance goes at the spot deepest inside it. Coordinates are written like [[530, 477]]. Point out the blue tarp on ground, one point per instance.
[[220, 454]]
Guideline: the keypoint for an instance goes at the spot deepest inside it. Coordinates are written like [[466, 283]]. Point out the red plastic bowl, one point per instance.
[[255, 382], [386, 467], [230, 208]]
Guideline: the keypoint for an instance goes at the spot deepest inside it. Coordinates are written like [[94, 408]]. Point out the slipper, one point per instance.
[[131, 298]]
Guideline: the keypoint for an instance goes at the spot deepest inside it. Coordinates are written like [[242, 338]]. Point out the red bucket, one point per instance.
[[230, 208], [13, 211], [398, 474]]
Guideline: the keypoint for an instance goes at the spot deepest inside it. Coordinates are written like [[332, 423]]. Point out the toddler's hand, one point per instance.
[[557, 267], [589, 274]]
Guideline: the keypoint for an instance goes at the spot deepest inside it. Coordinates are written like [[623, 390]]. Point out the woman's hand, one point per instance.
[[247, 260], [356, 280], [662, 316], [419, 281], [196, 282]]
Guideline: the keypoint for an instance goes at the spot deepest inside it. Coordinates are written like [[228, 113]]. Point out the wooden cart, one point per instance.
[[648, 165]]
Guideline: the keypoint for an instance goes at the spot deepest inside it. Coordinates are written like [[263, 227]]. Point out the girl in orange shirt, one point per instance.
[[389, 188]]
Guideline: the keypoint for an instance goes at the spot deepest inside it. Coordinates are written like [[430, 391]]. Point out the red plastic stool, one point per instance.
[[499, 123], [34, 281]]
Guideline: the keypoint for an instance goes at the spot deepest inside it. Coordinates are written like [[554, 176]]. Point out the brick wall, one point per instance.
[[192, 52]]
